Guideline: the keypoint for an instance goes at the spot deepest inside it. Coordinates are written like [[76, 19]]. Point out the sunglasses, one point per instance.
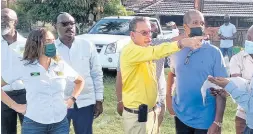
[[64, 24], [144, 33], [187, 60]]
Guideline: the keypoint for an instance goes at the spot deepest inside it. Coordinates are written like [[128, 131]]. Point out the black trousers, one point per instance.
[[181, 128], [8, 115]]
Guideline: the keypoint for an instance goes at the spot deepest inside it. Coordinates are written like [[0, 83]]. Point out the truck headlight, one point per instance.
[[111, 48]]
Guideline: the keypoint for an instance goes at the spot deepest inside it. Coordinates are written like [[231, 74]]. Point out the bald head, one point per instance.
[[8, 21], [226, 19], [226, 16], [250, 34], [9, 13], [65, 26], [190, 14], [63, 16]]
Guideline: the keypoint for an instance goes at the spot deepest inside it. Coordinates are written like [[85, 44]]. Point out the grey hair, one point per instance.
[[135, 20], [188, 14], [11, 13]]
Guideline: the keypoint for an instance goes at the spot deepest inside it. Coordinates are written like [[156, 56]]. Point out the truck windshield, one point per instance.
[[111, 26]]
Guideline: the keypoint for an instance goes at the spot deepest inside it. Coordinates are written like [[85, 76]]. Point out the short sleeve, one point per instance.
[[219, 32], [219, 65], [234, 29], [234, 66], [171, 64], [12, 67], [69, 72], [118, 65]]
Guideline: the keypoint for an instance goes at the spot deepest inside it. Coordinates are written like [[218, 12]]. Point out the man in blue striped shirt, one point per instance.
[[243, 97]]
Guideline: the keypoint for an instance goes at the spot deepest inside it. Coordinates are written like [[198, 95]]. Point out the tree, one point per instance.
[[82, 10]]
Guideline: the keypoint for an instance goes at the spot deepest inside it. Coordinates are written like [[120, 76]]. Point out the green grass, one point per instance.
[[111, 123]]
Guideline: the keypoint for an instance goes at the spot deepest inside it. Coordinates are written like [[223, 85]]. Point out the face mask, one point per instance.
[[248, 47], [6, 31], [154, 35], [50, 50], [196, 31], [175, 31]]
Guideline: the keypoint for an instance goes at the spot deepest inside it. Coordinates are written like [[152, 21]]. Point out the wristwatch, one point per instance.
[[73, 98], [218, 124]]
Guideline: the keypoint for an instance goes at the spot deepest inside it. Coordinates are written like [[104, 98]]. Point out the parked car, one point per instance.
[[110, 35]]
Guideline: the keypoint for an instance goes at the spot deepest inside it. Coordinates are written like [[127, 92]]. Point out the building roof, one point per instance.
[[238, 8]]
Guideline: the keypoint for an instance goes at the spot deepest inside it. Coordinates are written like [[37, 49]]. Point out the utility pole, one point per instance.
[[199, 5]]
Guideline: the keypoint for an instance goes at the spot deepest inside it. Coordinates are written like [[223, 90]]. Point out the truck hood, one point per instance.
[[103, 38]]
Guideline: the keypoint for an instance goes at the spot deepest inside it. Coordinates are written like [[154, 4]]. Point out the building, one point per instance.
[[241, 12]]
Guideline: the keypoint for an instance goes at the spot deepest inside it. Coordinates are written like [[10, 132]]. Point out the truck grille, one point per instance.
[[99, 47]]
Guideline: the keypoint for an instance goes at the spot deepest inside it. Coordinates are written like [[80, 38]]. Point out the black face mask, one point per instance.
[[226, 21], [154, 35], [196, 31]]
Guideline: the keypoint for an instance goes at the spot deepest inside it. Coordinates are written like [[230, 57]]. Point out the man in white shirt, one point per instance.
[[227, 34], [11, 39], [82, 56], [241, 65]]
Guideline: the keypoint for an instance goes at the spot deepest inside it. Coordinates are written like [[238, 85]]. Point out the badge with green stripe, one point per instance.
[[35, 74]]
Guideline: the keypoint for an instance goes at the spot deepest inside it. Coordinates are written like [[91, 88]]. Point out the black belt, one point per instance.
[[136, 111]]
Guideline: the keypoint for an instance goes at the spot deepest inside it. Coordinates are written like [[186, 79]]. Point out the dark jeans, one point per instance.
[[31, 127], [181, 128], [8, 115], [248, 130], [227, 51], [82, 119]]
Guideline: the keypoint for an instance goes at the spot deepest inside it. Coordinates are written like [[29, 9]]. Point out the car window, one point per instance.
[[111, 26]]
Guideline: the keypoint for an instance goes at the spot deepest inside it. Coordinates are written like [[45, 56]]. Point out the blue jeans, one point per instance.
[[82, 119], [227, 51], [248, 130], [31, 127]]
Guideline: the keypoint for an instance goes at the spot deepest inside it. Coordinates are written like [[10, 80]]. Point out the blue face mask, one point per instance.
[[248, 47], [50, 50]]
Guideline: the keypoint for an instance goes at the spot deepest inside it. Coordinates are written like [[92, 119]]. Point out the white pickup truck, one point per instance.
[[110, 35]]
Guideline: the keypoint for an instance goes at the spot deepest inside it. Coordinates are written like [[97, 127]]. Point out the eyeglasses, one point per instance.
[[64, 24], [144, 33]]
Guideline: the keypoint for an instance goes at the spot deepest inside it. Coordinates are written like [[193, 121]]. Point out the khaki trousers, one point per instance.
[[132, 126]]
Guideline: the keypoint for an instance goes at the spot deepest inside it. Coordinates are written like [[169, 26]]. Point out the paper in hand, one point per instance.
[[241, 83]]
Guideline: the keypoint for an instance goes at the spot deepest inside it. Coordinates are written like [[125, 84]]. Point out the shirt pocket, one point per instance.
[[84, 64]]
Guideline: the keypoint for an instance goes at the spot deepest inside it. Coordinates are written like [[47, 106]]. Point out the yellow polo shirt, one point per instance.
[[139, 73]]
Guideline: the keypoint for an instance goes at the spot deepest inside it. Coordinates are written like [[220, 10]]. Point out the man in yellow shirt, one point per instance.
[[139, 85]]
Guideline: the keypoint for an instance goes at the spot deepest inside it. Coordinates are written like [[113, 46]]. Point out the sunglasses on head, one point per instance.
[[144, 33], [64, 24]]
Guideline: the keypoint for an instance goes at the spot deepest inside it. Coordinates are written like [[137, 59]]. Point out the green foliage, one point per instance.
[[45, 11], [113, 7]]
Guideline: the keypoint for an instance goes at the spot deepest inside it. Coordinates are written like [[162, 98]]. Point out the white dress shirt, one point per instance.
[[83, 58], [242, 63], [44, 88], [18, 47]]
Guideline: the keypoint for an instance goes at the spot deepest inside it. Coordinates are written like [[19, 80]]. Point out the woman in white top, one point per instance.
[[44, 76]]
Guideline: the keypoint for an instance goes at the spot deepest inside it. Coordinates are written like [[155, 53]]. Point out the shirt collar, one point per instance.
[[19, 37], [59, 43]]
